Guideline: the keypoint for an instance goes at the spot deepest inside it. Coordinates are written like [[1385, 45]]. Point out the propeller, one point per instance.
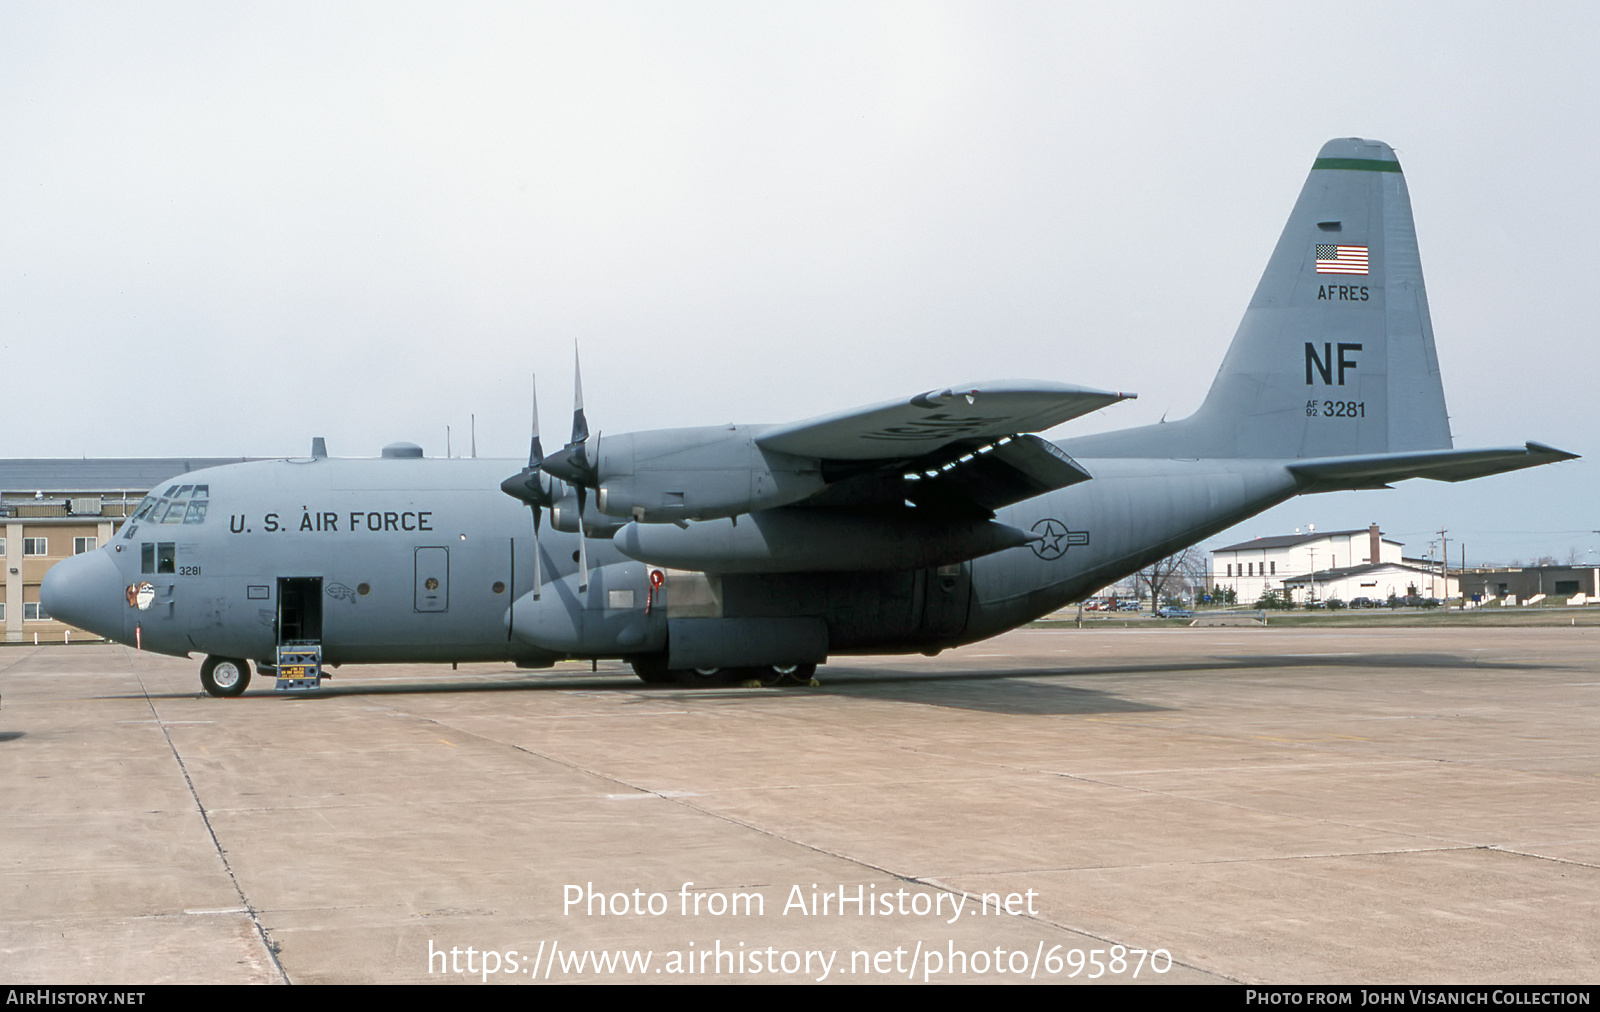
[[577, 466], [528, 485]]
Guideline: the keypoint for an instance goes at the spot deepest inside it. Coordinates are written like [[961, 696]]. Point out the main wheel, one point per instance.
[[794, 674], [651, 668], [225, 676], [702, 678]]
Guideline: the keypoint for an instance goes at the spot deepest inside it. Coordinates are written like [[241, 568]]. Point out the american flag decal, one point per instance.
[[1333, 259]]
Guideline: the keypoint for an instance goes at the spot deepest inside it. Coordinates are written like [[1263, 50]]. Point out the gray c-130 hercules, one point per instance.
[[910, 526]]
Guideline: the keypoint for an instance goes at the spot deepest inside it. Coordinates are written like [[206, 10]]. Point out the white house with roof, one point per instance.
[[1376, 582], [1251, 567]]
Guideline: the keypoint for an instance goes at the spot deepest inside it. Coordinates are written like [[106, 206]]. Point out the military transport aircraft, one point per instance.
[[914, 525]]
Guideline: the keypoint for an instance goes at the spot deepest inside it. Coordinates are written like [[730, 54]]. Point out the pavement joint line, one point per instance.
[[249, 910], [26, 653], [683, 800], [1541, 857]]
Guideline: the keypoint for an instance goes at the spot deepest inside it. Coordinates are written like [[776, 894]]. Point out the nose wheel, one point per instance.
[[225, 676]]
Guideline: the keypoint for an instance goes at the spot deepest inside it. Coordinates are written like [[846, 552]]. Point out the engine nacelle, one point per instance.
[[817, 540], [564, 516], [674, 475], [612, 617]]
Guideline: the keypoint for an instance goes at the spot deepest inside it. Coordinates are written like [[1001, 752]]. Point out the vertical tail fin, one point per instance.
[[1335, 354]]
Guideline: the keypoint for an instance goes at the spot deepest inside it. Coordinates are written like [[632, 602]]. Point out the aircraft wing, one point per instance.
[[929, 422], [1379, 469]]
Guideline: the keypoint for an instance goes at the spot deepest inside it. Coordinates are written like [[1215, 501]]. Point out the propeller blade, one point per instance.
[[574, 463], [527, 485], [580, 423], [538, 574], [583, 550], [535, 451]]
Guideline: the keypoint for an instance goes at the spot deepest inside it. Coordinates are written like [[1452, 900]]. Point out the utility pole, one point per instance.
[[1444, 563]]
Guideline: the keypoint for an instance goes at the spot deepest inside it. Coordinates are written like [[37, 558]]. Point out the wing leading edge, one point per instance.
[[929, 422]]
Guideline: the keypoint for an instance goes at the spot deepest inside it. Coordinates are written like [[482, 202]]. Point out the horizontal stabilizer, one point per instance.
[[928, 422], [1332, 473]]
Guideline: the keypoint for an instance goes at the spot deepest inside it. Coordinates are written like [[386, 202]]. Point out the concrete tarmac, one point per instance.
[[1360, 805]]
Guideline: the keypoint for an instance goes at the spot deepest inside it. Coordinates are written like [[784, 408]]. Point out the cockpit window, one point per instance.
[[187, 505]]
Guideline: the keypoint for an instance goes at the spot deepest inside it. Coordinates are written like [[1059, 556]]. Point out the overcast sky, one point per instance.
[[227, 228]]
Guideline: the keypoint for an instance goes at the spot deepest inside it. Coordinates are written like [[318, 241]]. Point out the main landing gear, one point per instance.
[[653, 668], [225, 676]]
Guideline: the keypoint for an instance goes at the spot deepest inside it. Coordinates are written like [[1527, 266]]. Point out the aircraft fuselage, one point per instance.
[[368, 536]]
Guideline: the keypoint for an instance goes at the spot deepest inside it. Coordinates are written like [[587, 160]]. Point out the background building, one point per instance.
[[1250, 568], [1410, 578], [1525, 584]]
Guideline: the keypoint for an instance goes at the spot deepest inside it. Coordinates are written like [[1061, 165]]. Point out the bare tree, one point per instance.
[[1174, 576]]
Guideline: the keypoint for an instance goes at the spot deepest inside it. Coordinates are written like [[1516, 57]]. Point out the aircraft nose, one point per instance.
[[86, 591]]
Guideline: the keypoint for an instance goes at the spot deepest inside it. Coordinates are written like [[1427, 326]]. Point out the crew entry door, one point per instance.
[[299, 656], [433, 579], [299, 610]]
